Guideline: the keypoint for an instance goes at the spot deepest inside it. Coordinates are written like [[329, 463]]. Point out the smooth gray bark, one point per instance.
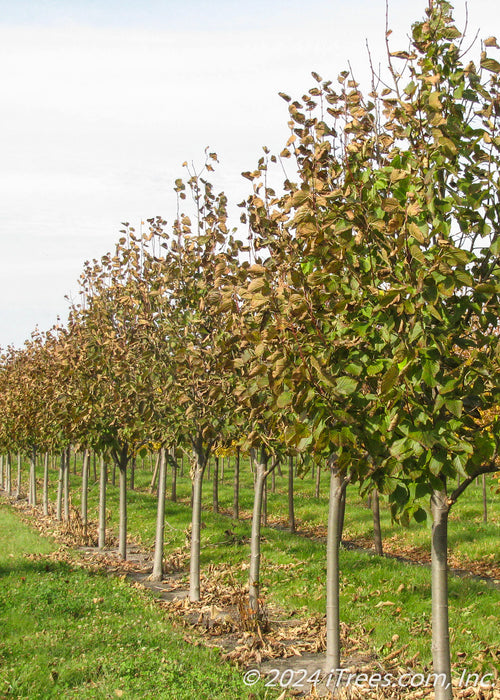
[[173, 492], [215, 486], [157, 573], [261, 472], [377, 531], [102, 503], [8, 486], [152, 485], [122, 536], [441, 658], [485, 500], [45, 499], [32, 485], [60, 482], [338, 485], [85, 489], [67, 461], [318, 480], [194, 564], [236, 488], [260, 465], [19, 475], [132, 472], [291, 505]]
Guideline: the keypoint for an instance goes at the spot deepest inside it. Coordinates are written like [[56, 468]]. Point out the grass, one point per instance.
[[382, 600], [68, 632]]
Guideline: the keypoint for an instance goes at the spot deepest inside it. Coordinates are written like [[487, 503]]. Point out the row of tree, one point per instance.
[[358, 325]]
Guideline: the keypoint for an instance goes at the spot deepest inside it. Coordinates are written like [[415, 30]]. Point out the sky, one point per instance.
[[103, 100]]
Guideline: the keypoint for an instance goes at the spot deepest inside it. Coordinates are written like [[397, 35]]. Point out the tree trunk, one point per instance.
[[155, 474], [194, 565], [32, 488], [337, 490], [260, 471], [291, 506], [132, 473], [342, 514], [264, 505], [485, 500], [60, 483], [215, 486], [45, 499], [318, 479], [94, 465], [67, 462], [1, 472], [19, 461], [122, 536], [8, 485], [85, 490], [377, 532], [157, 573], [439, 564], [236, 489], [102, 503], [173, 494]]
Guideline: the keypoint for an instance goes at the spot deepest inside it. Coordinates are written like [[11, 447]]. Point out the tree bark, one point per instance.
[[264, 504], [338, 485], [157, 573], [215, 486], [485, 500], [291, 505], [8, 485], [194, 565], [132, 473], [173, 493], [342, 515], [260, 472], [85, 490], [377, 532], [67, 461], [236, 489], [439, 563], [318, 479], [19, 462], [102, 503], [45, 499], [32, 488], [155, 474], [60, 483], [122, 537]]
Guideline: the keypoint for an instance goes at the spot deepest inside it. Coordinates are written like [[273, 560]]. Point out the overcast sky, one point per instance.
[[103, 100]]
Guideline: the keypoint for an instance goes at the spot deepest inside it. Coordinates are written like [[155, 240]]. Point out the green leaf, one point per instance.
[[389, 379], [346, 385], [490, 64], [284, 399], [454, 406]]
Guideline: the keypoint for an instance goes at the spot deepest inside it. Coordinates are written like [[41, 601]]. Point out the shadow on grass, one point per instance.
[[26, 567]]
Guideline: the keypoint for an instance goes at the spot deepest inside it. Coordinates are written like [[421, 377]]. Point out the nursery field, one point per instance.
[[385, 602], [68, 632]]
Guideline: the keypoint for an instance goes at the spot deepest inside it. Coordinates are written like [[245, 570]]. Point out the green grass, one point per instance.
[[68, 633], [381, 599]]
